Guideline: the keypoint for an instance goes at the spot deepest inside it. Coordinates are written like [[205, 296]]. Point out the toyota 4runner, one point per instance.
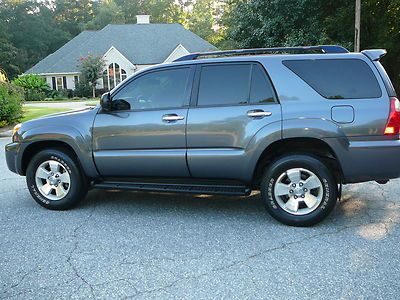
[[295, 123]]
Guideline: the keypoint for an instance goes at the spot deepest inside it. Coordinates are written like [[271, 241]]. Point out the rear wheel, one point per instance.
[[299, 190], [55, 180]]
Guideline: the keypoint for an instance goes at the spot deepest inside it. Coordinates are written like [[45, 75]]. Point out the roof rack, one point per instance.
[[322, 48]]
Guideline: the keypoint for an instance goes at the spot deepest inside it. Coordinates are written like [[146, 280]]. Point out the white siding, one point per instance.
[[114, 56], [179, 51], [70, 80], [141, 67]]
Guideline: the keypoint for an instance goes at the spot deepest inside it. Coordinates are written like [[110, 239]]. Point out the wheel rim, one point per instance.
[[298, 191], [52, 180]]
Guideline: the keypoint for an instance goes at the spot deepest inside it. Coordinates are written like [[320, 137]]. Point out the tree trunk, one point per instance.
[[94, 92]]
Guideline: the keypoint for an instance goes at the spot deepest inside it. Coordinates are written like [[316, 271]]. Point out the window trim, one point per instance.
[[62, 83], [333, 99], [106, 73], [186, 96], [196, 85]]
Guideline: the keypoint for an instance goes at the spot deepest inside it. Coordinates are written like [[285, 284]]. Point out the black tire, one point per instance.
[[310, 163], [78, 183]]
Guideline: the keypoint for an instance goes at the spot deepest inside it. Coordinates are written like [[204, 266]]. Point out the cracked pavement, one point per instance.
[[132, 245]]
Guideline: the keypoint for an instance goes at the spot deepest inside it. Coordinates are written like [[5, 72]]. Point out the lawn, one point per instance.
[[31, 112]]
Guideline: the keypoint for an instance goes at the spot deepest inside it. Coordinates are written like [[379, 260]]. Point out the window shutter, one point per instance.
[[53, 81], [65, 82]]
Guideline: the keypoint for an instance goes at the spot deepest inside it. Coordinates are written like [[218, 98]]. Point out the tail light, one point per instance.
[[393, 123]]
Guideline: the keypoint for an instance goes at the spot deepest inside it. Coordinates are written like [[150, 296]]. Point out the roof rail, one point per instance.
[[322, 48]]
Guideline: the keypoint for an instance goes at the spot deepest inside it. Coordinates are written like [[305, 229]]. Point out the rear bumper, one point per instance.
[[367, 160], [12, 150]]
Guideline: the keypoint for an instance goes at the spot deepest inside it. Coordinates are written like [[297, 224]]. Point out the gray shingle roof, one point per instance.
[[140, 43]]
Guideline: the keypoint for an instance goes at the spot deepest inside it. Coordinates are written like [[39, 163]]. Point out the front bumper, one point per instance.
[[12, 150]]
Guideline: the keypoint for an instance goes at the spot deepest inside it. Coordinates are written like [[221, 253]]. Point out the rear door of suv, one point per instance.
[[230, 103]]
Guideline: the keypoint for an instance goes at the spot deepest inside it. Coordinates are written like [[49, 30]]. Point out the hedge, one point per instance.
[[11, 98]]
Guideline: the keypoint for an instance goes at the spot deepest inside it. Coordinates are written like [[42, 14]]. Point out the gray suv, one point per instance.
[[294, 123]]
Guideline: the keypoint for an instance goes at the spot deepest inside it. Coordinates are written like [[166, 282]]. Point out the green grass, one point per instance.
[[65, 100], [31, 112], [92, 102]]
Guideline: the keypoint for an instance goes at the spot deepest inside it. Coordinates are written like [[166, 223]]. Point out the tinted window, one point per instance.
[[160, 89], [337, 79], [224, 84], [260, 89]]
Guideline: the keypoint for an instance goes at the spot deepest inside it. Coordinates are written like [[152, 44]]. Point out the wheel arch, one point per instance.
[[32, 149], [303, 145], [62, 137]]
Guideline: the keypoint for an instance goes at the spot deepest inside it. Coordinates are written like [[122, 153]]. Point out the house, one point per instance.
[[125, 48]]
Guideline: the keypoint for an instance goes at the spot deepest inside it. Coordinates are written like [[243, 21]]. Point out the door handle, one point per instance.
[[258, 113], [172, 118]]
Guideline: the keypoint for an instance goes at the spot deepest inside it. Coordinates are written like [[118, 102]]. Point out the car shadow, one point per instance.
[[358, 206]]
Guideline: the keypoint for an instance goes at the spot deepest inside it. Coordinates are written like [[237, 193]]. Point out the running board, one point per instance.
[[233, 190]]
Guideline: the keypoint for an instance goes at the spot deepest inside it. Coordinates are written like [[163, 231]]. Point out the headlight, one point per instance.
[[16, 128]]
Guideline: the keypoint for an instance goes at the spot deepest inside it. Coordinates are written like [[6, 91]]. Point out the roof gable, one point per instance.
[[179, 51], [140, 43]]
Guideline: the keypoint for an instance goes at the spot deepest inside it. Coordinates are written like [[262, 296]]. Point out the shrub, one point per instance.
[[11, 98], [82, 89], [35, 87]]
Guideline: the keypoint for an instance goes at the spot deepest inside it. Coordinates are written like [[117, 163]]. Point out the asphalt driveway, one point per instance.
[[158, 246]]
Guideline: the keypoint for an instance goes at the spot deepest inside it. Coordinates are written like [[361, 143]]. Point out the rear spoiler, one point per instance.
[[374, 54]]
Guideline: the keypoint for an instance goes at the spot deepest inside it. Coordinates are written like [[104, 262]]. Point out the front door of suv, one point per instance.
[[231, 103], [144, 133]]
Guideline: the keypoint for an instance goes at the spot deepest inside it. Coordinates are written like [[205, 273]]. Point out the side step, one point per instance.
[[233, 190]]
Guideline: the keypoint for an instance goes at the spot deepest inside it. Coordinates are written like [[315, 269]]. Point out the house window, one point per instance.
[[105, 79], [76, 80], [60, 85], [113, 75]]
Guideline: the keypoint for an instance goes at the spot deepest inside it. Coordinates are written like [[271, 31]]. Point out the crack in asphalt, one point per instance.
[[14, 285], [137, 293], [384, 219], [26, 291], [74, 248], [246, 259]]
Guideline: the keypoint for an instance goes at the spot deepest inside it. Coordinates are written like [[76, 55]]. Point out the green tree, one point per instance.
[[32, 31], [72, 15], [161, 11], [91, 68], [271, 23], [201, 20], [108, 13], [7, 53]]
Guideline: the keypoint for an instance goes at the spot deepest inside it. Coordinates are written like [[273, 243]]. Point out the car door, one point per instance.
[[144, 133], [231, 103]]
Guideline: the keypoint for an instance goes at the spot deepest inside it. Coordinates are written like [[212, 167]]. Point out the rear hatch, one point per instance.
[[392, 127]]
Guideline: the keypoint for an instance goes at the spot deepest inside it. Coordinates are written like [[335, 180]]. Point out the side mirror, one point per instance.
[[105, 101]]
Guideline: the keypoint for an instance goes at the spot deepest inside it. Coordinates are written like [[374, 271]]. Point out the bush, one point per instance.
[[11, 98], [82, 90], [35, 87]]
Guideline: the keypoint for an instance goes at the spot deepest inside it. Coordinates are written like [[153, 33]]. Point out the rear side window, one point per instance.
[[224, 84], [233, 84], [261, 89], [337, 78]]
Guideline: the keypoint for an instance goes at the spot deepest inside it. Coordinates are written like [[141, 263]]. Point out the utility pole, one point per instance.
[[357, 27]]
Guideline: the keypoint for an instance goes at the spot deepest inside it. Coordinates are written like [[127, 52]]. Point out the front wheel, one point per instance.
[[299, 190], [55, 180]]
